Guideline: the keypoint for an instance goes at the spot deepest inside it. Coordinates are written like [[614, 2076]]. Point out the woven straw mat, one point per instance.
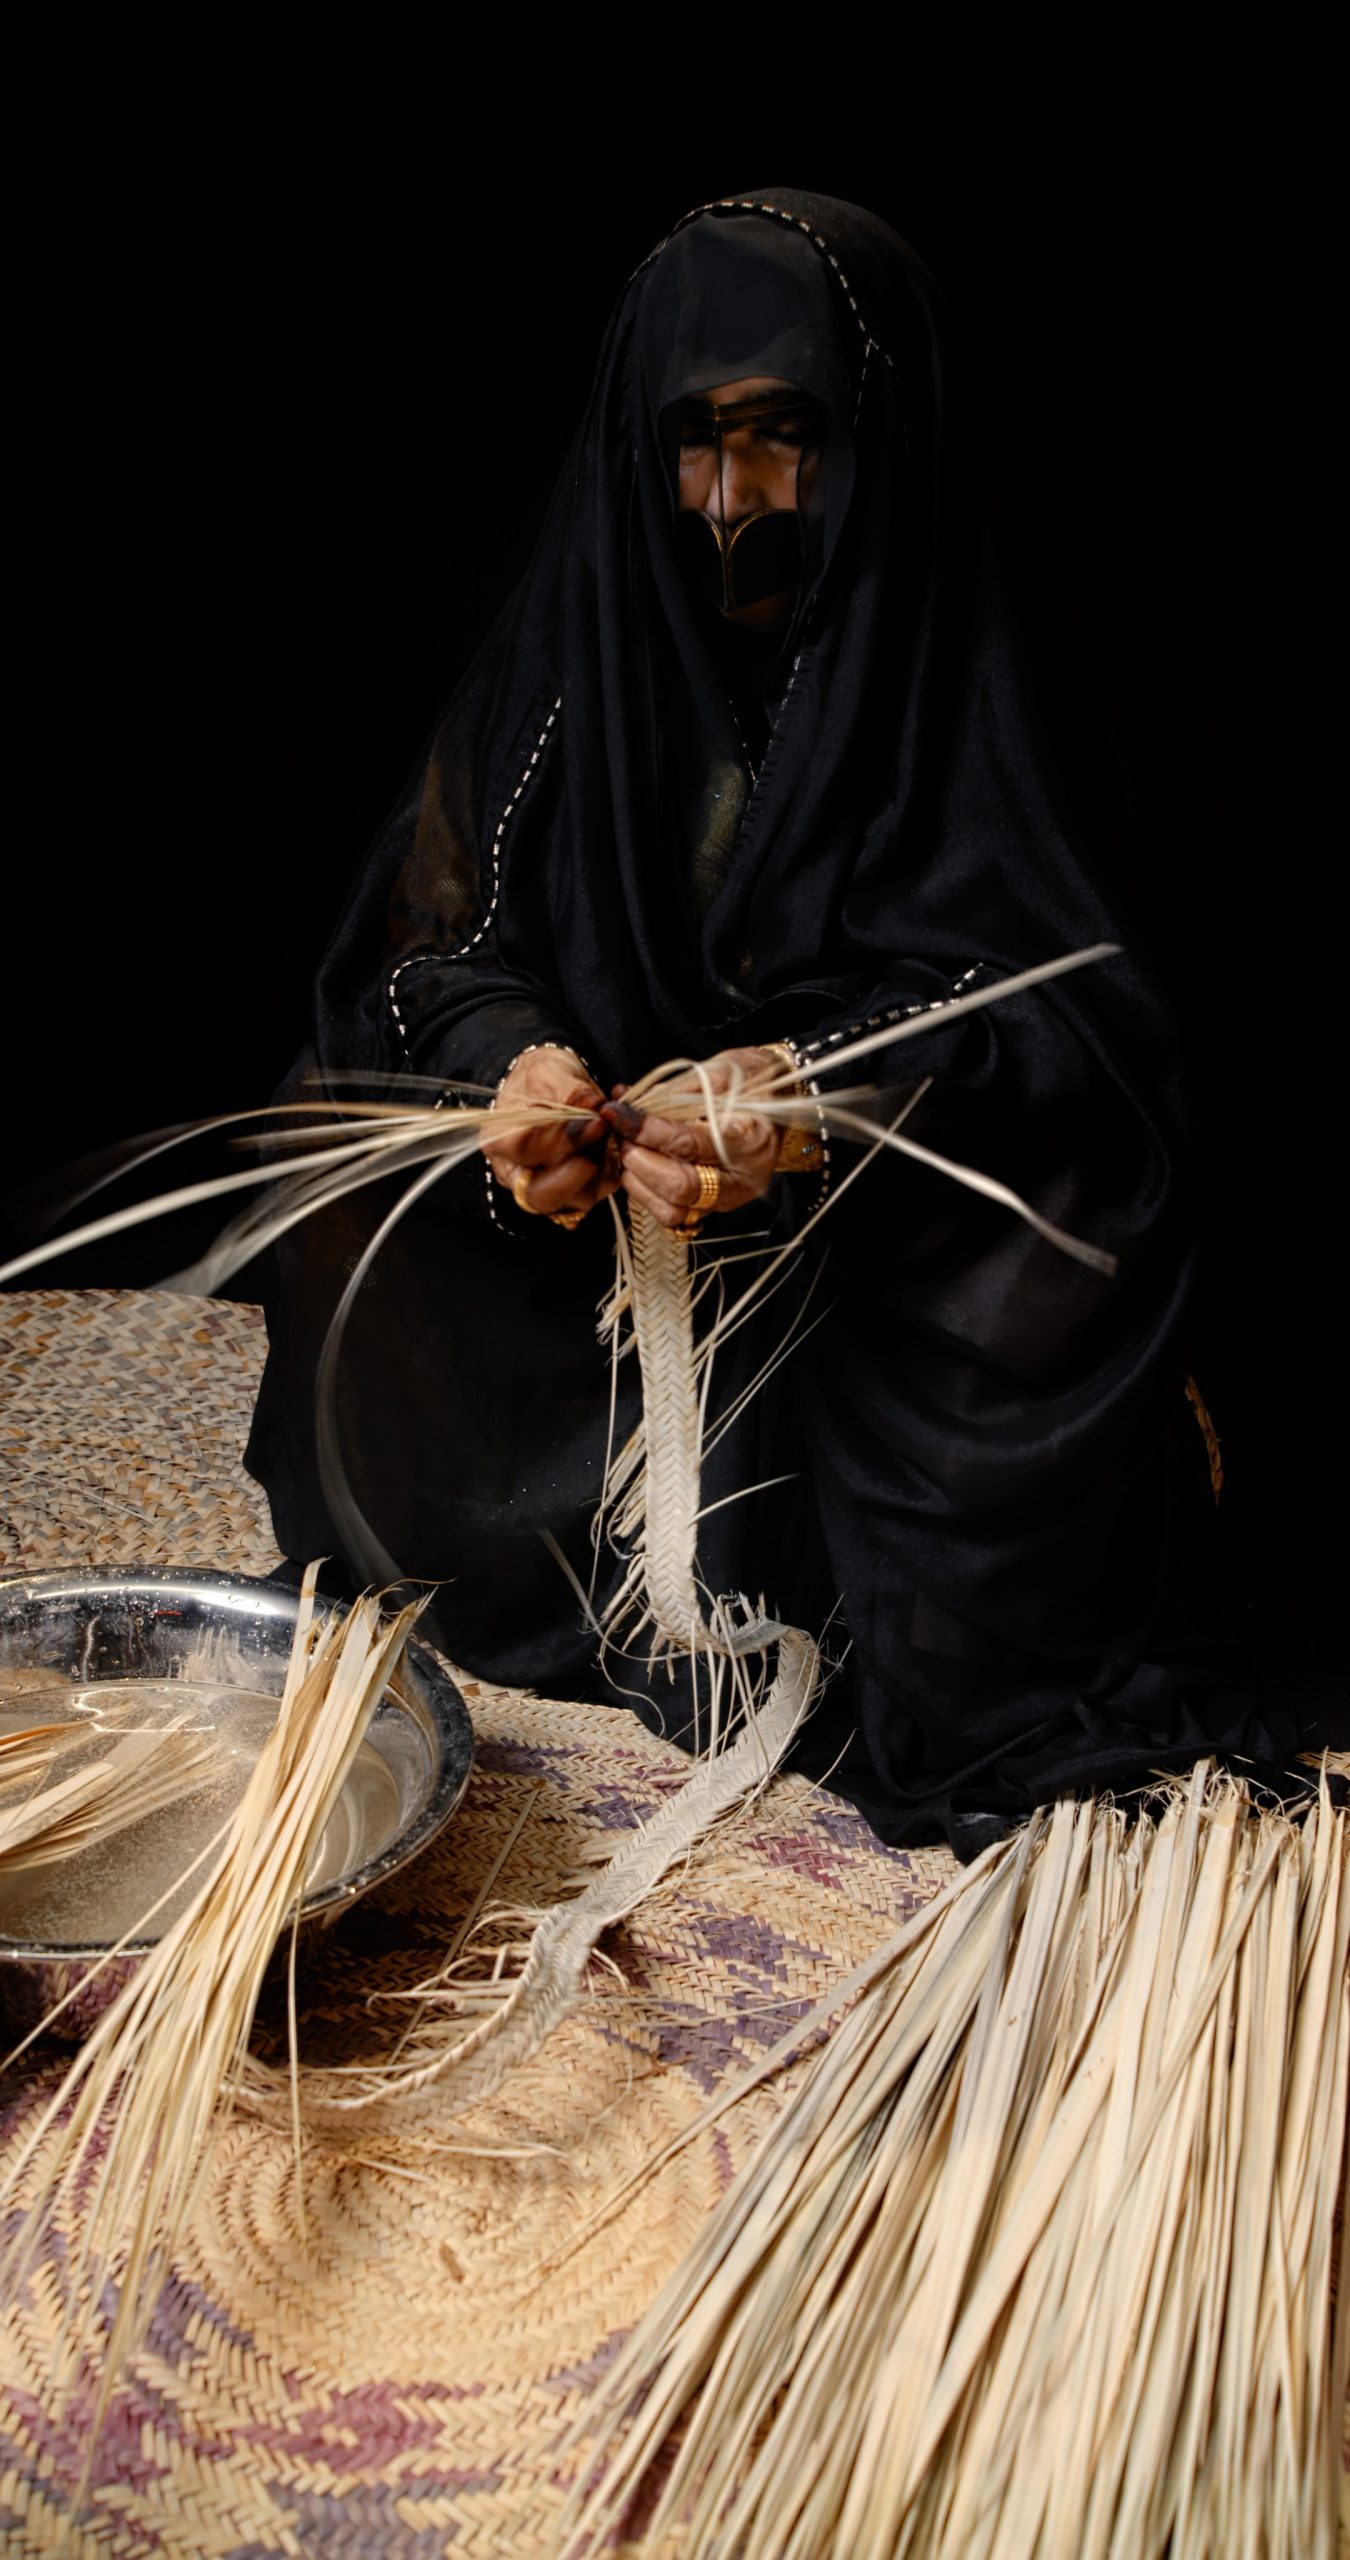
[[397, 2388]]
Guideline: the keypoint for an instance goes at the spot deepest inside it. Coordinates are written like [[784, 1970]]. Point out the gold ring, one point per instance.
[[520, 1190], [709, 1193]]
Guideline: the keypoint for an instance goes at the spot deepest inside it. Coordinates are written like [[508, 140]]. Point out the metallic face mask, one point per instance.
[[763, 555]]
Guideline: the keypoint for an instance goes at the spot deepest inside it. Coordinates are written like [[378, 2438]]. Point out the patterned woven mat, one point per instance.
[[397, 2388]]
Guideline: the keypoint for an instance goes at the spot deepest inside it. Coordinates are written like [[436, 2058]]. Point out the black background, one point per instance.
[[283, 448]]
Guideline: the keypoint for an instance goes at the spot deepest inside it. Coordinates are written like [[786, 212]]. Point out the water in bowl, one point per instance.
[[104, 1891]]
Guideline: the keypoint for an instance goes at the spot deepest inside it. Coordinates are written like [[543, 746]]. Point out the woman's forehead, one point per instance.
[[751, 400], [748, 386]]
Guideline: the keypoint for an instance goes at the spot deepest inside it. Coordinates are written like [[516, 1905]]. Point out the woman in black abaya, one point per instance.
[[681, 808]]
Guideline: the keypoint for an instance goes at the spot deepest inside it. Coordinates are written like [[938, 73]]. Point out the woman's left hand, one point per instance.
[[659, 1160]]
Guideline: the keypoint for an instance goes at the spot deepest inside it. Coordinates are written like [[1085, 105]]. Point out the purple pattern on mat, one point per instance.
[[750, 1949], [500, 1758], [583, 2377], [707, 2048], [710, 2049], [140, 2540], [615, 1809], [807, 1854], [183, 2304], [349, 2430], [62, 2442], [360, 2524], [752, 1962], [54, 2263]]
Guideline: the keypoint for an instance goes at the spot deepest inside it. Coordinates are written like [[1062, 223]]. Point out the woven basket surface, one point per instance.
[[397, 2387]]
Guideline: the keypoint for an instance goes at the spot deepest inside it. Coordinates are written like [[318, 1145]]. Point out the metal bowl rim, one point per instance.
[[444, 1702]]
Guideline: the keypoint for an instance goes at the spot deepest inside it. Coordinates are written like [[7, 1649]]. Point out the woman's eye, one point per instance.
[[793, 433]]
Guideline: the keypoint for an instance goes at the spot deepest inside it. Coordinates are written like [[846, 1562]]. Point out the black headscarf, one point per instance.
[[989, 1440]]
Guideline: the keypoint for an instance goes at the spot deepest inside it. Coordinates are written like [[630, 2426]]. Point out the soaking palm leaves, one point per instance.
[[138, 1775], [140, 2107]]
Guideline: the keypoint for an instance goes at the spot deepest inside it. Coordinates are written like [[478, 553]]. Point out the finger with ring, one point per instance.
[[707, 1196]]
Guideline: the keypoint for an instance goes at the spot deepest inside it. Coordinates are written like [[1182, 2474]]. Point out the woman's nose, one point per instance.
[[742, 491]]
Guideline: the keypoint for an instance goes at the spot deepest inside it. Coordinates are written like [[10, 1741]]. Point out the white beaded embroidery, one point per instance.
[[855, 1030], [563, 1047], [795, 222], [421, 959], [808, 1084]]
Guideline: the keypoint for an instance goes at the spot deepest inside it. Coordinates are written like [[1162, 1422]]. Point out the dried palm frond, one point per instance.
[[346, 1145], [1037, 2259], [148, 2083], [349, 1144], [24, 1755], [141, 1773]]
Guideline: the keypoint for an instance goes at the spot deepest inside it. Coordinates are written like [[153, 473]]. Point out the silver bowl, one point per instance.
[[147, 1624]]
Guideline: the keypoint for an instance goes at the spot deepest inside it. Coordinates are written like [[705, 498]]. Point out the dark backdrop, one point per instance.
[[283, 452]]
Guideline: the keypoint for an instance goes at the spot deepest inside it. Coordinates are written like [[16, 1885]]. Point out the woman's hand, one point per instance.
[[546, 1170], [659, 1159]]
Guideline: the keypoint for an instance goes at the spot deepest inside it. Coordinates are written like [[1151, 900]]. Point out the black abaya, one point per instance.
[[992, 1467]]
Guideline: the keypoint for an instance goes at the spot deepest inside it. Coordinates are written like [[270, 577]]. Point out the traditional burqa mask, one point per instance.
[[734, 557], [730, 302]]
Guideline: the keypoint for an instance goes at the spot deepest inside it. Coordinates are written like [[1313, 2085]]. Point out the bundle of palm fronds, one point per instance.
[[1038, 2258], [147, 2086], [346, 1145], [140, 1773]]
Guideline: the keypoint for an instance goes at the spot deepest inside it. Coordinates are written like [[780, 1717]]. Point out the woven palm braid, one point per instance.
[[400, 2391]]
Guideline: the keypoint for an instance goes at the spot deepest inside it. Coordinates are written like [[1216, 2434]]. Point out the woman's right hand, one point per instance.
[[545, 1170]]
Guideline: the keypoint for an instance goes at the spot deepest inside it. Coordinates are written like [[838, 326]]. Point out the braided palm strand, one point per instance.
[[469, 2069], [660, 1468]]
